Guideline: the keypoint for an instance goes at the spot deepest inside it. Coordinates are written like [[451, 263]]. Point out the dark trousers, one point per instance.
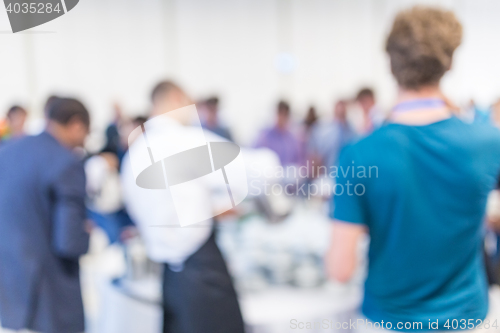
[[201, 298]]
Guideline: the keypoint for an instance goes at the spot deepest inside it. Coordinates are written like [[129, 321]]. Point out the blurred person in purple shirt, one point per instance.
[[281, 139]]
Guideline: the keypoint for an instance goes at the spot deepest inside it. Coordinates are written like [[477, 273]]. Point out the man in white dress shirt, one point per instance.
[[198, 294]]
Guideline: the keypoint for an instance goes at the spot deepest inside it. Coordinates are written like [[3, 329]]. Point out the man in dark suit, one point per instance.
[[42, 225]]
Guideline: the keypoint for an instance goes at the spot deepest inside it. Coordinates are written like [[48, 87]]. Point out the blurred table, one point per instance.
[[133, 308], [277, 270], [272, 310]]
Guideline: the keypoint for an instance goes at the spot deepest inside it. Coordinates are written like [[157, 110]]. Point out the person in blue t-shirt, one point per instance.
[[418, 186]]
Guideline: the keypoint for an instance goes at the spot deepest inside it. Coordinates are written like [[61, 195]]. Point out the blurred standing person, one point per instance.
[[327, 140], [42, 225], [495, 114], [304, 136], [114, 143], [370, 117], [474, 113], [423, 205], [104, 200], [104, 195], [15, 120], [198, 294], [211, 121], [311, 119], [308, 125], [4, 130], [281, 139]]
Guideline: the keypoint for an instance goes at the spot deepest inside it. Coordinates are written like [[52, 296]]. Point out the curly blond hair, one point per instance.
[[421, 45]]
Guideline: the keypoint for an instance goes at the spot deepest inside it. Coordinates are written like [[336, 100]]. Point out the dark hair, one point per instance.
[[365, 92], [162, 88], [64, 110], [212, 100], [283, 108], [421, 45], [50, 100], [15, 109], [311, 117], [139, 120]]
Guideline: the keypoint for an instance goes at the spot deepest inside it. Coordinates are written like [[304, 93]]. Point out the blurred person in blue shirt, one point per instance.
[[211, 119], [418, 186], [328, 139]]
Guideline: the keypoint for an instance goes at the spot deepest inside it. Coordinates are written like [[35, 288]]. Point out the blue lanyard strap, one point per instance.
[[417, 104]]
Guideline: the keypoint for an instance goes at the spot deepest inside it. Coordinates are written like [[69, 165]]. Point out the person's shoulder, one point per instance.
[[384, 133], [55, 153], [374, 145], [266, 131], [262, 136], [17, 145], [387, 130], [475, 134], [213, 136]]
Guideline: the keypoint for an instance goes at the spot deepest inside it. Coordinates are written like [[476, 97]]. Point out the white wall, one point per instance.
[[115, 50]]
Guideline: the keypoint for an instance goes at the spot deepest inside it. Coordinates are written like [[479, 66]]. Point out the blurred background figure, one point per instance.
[[42, 224], [328, 139], [127, 126], [311, 119], [308, 125], [370, 117], [104, 191], [114, 143], [304, 135], [104, 196], [367, 116], [13, 127], [281, 139], [198, 294], [211, 120], [495, 114]]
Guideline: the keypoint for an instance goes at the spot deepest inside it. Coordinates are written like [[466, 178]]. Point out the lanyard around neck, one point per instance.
[[417, 104]]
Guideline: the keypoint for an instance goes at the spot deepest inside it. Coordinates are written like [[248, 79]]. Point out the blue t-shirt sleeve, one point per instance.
[[347, 202]]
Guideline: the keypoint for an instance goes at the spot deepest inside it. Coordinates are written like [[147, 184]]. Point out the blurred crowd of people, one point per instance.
[[316, 138], [47, 195], [312, 142]]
